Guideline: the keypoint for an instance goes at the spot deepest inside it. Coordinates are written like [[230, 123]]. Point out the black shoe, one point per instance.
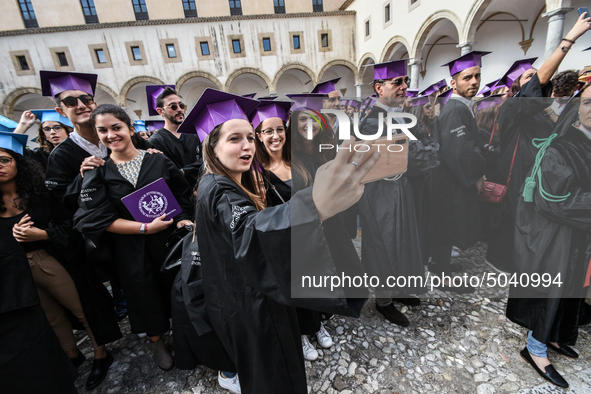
[[408, 300], [551, 375], [565, 350], [99, 370], [393, 315], [78, 360], [121, 316]]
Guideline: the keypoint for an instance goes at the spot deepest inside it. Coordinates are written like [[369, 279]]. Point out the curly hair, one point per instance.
[[30, 183], [565, 83]]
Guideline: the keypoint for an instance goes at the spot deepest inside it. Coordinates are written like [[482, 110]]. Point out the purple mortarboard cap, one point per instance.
[[412, 92], [249, 95], [444, 97], [471, 59], [421, 100], [305, 101], [139, 125], [7, 124], [392, 69], [154, 125], [488, 88], [267, 98], [152, 93], [14, 142], [270, 109], [433, 88], [214, 108], [55, 82], [326, 87], [489, 101], [515, 71], [45, 115], [353, 103]]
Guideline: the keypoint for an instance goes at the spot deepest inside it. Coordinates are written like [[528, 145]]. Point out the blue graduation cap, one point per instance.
[[139, 125], [45, 115], [7, 124], [13, 142]]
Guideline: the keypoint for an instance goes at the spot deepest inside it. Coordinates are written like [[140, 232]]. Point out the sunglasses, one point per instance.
[[5, 161], [398, 81], [71, 102], [175, 106], [56, 128]]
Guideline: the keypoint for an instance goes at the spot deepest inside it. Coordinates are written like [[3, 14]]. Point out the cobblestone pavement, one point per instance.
[[452, 345]]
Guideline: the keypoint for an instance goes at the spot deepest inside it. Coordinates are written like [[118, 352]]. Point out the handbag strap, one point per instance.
[[513, 159], [492, 133]]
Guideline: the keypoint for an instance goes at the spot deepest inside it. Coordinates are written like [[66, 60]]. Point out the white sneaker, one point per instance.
[[310, 353], [142, 335], [455, 253], [230, 384], [323, 337]]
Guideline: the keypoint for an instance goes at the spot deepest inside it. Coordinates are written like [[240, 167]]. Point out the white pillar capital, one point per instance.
[[466, 47], [559, 12], [555, 29]]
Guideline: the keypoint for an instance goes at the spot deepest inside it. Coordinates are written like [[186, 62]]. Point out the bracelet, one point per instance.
[[143, 229], [146, 229], [568, 40]]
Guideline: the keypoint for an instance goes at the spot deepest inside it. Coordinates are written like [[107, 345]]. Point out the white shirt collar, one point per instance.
[[98, 151]]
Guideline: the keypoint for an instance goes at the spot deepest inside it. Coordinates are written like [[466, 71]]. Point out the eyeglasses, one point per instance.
[[72, 102], [5, 161], [270, 131], [57, 128], [175, 106], [398, 81]]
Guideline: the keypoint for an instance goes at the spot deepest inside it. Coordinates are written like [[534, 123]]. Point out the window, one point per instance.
[[22, 61], [171, 50], [296, 42], [89, 11], [279, 6], [140, 9], [63, 59], [137, 53], [317, 6], [324, 40], [190, 8], [235, 7], [266, 44], [367, 31], [28, 13], [100, 56], [387, 14], [204, 48], [236, 46]]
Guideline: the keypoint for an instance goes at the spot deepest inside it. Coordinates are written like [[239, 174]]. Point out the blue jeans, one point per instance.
[[536, 347]]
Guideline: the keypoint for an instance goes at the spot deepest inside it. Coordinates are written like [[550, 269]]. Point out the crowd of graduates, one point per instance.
[[260, 206]]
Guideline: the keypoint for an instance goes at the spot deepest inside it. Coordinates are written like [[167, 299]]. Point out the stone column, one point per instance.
[[555, 29], [415, 68], [358, 90], [465, 47]]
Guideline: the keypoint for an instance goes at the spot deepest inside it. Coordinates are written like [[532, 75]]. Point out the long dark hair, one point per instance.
[[30, 183], [252, 183], [46, 145]]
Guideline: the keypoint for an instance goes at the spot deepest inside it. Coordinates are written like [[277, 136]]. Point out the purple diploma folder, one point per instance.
[[152, 201]]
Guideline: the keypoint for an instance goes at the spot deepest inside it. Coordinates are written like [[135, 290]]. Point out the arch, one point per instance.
[[503, 13], [249, 70], [11, 99], [431, 21], [109, 91], [294, 66], [339, 62], [197, 74], [134, 81], [472, 20], [390, 46], [367, 56]]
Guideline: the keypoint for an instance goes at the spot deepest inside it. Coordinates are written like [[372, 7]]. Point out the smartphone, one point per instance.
[[584, 9], [392, 162]]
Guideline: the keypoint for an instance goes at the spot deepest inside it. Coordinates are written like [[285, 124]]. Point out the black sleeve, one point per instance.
[[181, 190], [422, 153], [62, 181], [96, 211]]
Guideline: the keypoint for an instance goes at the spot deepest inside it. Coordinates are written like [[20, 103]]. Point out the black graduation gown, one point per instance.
[[520, 116], [553, 238], [456, 214], [40, 155], [246, 263], [185, 154], [31, 360], [389, 222], [138, 258]]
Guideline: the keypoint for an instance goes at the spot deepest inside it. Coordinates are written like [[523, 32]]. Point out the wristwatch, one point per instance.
[[143, 229]]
